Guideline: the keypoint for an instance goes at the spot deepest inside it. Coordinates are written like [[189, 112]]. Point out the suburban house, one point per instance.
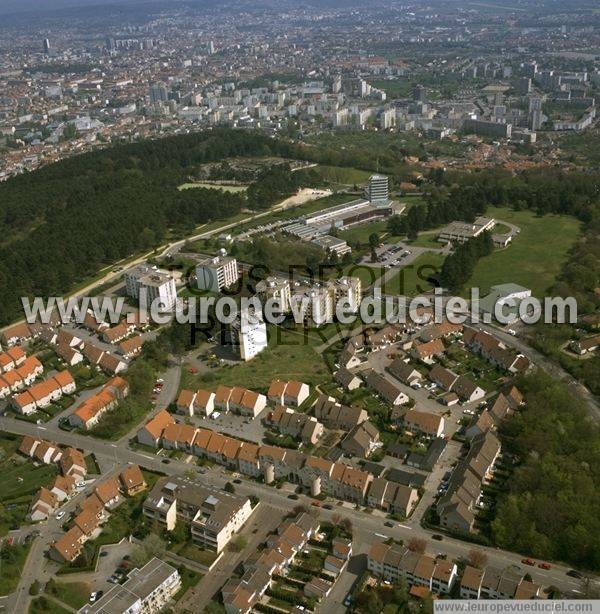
[[239, 400], [335, 416], [457, 507], [43, 505], [428, 352], [394, 562], [404, 372], [298, 425], [347, 380], [189, 403], [290, 394], [391, 497], [91, 410], [385, 389], [586, 345], [468, 390], [362, 440], [424, 423], [132, 480], [443, 377], [72, 463], [63, 486]]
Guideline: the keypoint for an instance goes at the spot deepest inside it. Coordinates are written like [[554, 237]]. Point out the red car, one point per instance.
[[544, 566], [193, 370], [528, 562]]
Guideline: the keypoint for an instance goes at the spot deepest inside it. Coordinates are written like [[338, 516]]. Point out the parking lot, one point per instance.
[[242, 427]]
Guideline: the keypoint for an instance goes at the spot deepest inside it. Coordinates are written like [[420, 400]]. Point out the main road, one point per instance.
[[367, 527]]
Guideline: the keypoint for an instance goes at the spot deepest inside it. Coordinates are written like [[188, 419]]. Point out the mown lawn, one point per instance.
[[413, 279], [343, 175], [362, 232], [290, 355], [75, 594], [535, 256]]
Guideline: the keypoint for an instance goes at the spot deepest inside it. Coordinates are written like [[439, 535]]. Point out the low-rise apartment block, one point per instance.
[[213, 516]]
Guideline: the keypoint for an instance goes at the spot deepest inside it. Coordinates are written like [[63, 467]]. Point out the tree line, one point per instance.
[[552, 508]]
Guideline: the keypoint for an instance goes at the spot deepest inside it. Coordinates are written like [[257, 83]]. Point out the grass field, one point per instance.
[[343, 175], [45, 605], [75, 594], [213, 186], [362, 232], [12, 559], [427, 240], [290, 355], [535, 256], [21, 480], [367, 274], [413, 278]]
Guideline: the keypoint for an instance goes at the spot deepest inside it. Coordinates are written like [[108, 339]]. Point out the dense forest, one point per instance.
[[552, 508], [62, 223]]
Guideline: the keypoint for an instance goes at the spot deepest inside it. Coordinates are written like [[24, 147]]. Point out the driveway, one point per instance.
[[262, 522]]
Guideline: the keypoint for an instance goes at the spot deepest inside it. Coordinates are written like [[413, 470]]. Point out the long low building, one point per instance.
[[393, 562], [271, 463], [457, 507], [148, 589]]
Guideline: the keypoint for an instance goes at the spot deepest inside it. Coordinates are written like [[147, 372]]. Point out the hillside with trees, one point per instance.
[[552, 508], [61, 224]]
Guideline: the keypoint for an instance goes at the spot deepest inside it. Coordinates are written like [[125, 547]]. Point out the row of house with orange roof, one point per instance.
[[44, 393], [320, 476], [72, 467], [240, 595], [70, 460], [392, 562], [11, 359], [19, 377], [238, 400], [94, 511], [88, 413]]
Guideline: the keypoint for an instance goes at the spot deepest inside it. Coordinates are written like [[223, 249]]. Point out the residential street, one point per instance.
[[365, 525]]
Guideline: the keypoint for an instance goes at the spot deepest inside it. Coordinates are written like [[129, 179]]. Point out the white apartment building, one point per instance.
[[218, 272], [146, 590], [378, 189], [250, 333], [155, 283], [277, 288]]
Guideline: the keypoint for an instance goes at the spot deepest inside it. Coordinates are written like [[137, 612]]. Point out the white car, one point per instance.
[[93, 597], [60, 515]]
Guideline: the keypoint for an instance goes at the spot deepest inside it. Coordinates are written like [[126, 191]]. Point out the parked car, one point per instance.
[[437, 537], [293, 497], [573, 573], [544, 566], [388, 523], [528, 562]]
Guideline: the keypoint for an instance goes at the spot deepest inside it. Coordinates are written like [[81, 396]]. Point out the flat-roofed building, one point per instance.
[[217, 272], [213, 516], [156, 284], [148, 590]]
